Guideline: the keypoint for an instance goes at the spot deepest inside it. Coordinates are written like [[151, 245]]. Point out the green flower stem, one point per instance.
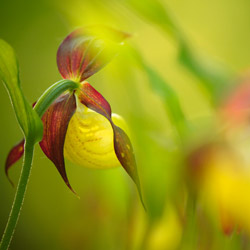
[[19, 197], [42, 104]]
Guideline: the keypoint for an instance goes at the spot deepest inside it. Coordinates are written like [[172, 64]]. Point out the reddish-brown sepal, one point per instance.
[[86, 50], [55, 121]]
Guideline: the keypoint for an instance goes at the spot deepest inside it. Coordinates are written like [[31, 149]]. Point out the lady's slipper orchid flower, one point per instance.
[[80, 124]]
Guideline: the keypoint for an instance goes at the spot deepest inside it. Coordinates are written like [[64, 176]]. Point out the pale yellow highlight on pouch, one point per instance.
[[89, 139]]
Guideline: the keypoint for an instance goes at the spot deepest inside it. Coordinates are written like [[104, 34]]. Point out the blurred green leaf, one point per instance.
[[29, 121], [166, 93], [213, 76], [154, 11]]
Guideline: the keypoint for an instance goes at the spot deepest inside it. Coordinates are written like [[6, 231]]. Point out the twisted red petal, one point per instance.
[[91, 98], [86, 50], [55, 121], [122, 145], [14, 155]]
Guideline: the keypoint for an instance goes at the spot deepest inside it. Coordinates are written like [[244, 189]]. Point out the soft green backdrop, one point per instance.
[[109, 215]]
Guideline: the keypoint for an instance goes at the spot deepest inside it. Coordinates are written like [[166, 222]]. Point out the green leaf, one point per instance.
[[154, 11], [214, 77], [160, 86], [29, 121]]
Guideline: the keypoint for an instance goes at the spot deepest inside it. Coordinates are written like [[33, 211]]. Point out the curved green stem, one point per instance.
[[52, 93], [19, 197], [41, 106]]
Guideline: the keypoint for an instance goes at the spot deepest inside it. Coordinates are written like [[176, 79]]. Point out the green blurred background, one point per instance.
[[109, 214]]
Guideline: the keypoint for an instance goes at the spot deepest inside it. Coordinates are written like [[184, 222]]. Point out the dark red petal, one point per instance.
[[122, 145], [55, 122], [124, 152], [86, 50], [91, 98], [14, 155]]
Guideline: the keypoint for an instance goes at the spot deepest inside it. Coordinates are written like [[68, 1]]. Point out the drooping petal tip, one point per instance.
[[55, 121], [91, 98], [14, 155]]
